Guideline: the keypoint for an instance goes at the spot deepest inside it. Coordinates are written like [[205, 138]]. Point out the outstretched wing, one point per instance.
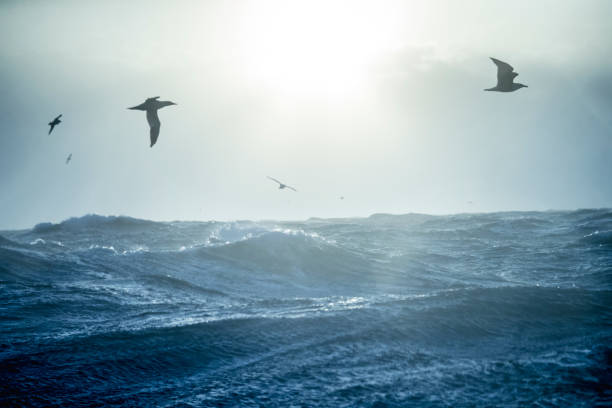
[[289, 187], [60, 115], [51, 128], [505, 74], [271, 178], [155, 124]]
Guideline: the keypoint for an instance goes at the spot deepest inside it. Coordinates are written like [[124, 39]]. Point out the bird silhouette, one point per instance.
[[54, 123], [151, 106], [505, 78], [282, 185], [69, 158]]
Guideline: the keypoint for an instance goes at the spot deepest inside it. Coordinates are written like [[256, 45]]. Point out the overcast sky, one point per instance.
[[381, 102]]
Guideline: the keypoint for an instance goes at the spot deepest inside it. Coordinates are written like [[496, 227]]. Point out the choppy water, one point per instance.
[[504, 309]]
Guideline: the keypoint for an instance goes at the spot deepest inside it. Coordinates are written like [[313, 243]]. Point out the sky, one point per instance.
[[380, 102]]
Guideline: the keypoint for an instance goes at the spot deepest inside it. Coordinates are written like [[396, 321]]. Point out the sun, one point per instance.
[[315, 47]]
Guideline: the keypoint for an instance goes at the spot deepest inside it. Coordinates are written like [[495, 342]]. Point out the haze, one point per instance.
[[381, 102]]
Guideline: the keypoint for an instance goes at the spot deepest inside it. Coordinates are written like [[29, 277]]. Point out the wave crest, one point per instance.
[[93, 221]]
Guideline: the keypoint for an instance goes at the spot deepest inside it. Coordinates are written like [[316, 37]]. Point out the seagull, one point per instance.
[[151, 105], [281, 185], [69, 158], [54, 123], [505, 78]]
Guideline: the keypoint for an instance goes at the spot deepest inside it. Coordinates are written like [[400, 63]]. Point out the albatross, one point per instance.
[[54, 123], [282, 185], [151, 106], [505, 78]]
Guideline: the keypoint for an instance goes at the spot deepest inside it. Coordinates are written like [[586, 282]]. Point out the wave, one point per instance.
[[94, 221], [599, 238], [384, 250], [5, 242], [279, 251], [173, 283]]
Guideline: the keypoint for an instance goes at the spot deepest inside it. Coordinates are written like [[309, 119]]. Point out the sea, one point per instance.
[[508, 309]]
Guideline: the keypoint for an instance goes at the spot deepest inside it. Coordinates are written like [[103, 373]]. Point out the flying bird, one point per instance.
[[151, 105], [505, 78], [69, 158], [282, 185], [54, 123]]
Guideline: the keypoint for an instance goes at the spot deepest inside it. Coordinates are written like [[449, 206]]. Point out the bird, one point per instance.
[[69, 158], [342, 197], [151, 106], [505, 78], [54, 123], [282, 185]]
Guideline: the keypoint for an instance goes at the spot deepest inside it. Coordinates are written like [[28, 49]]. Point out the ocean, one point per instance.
[[508, 309]]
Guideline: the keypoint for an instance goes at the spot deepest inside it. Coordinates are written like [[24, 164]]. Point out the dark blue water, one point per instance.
[[504, 309]]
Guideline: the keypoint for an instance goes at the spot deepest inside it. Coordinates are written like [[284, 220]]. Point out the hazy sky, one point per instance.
[[381, 102]]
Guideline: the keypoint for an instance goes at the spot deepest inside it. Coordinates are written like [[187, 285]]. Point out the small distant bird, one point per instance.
[[151, 105], [342, 198], [54, 123], [505, 78], [69, 158], [282, 185]]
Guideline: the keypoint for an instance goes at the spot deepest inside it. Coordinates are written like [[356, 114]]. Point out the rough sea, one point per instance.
[[508, 309]]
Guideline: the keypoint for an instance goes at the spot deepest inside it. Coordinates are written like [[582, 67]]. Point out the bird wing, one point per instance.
[[155, 124], [60, 115], [142, 106], [291, 188], [505, 74], [51, 128], [272, 178]]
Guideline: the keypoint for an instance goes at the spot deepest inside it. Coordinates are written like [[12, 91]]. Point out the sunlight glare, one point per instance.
[[315, 47]]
